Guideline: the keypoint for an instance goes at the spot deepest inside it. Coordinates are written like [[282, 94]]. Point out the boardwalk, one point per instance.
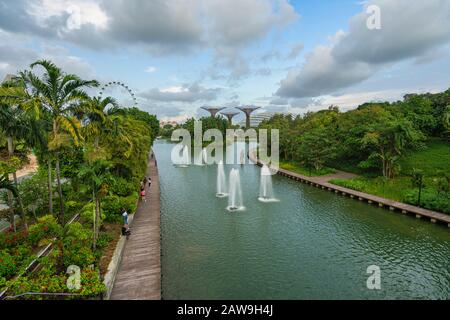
[[139, 275], [322, 182]]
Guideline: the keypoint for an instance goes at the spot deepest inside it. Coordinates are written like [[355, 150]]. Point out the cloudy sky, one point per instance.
[[179, 55]]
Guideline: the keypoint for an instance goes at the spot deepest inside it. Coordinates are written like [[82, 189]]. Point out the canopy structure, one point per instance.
[[248, 111], [230, 116], [213, 111]]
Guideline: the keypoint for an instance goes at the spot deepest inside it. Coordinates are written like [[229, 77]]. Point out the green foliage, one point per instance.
[[77, 246], [316, 148], [91, 285], [123, 187], [402, 189], [34, 192], [14, 260], [207, 123], [431, 159], [11, 239], [103, 240], [430, 199], [46, 228], [145, 117], [87, 214], [112, 206], [8, 266], [311, 172], [102, 153]]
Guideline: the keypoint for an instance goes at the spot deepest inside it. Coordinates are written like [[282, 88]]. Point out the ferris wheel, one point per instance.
[[121, 85]]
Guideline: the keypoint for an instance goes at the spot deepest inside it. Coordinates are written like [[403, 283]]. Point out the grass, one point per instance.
[[295, 167], [391, 189], [435, 157], [401, 189]]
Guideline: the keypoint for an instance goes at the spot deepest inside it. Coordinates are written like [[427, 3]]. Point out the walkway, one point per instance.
[[139, 275], [322, 182]]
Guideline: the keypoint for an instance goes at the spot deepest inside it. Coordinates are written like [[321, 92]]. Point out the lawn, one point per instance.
[[432, 159], [401, 189], [297, 168]]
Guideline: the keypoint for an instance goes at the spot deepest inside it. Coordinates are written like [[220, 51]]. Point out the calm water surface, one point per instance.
[[310, 245]]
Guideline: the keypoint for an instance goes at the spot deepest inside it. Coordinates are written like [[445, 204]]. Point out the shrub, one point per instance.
[[80, 256], [430, 199], [77, 235], [103, 240], [46, 228], [354, 184], [87, 213], [112, 206], [8, 266], [77, 246], [11, 239], [122, 187], [91, 284]]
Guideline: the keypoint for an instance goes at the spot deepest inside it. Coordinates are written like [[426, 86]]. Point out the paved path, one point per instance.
[[139, 275], [337, 175]]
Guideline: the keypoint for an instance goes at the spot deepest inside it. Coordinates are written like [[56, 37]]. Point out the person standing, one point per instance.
[[126, 227]]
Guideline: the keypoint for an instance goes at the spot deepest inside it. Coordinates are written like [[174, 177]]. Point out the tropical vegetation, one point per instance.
[[386, 144], [92, 155]]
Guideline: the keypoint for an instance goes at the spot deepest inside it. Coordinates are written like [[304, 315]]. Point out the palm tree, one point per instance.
[[97, 122], [15, 125], [24, 119], [60, 95], [6, 184], [98, 177]]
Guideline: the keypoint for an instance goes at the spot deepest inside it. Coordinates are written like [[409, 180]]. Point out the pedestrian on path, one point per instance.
[[126, 228], [149, 182], [143, 195]]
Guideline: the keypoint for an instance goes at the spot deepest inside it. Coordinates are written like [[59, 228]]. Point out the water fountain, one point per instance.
[[185, 160], [235, 202], [198, 157], [221, 181], [204, 156], [265, 187]]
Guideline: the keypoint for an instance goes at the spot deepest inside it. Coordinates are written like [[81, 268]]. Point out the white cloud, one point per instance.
[[187, 93], [410, 30], [76, 12], [150, 70]]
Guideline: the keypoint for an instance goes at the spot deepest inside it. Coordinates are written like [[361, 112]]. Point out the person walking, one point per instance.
[[143, 195], [149, 182]]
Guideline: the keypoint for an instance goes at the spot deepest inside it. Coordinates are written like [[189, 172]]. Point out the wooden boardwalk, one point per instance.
[[139, 275], [322, 182]]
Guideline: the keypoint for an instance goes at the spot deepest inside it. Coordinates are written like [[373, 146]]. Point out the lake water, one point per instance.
[[312, 244]]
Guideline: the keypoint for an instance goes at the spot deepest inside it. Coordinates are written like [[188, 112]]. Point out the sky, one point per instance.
[[283, 56]]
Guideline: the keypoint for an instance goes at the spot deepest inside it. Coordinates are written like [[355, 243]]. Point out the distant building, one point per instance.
[[162, 124], [8, 77], [257, 118]]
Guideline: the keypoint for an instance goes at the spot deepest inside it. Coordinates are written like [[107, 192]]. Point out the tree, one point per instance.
[[389, 139], [16, 125], [96, 123], [98, 177], [316, 148], [143, 116], [60, 95]]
